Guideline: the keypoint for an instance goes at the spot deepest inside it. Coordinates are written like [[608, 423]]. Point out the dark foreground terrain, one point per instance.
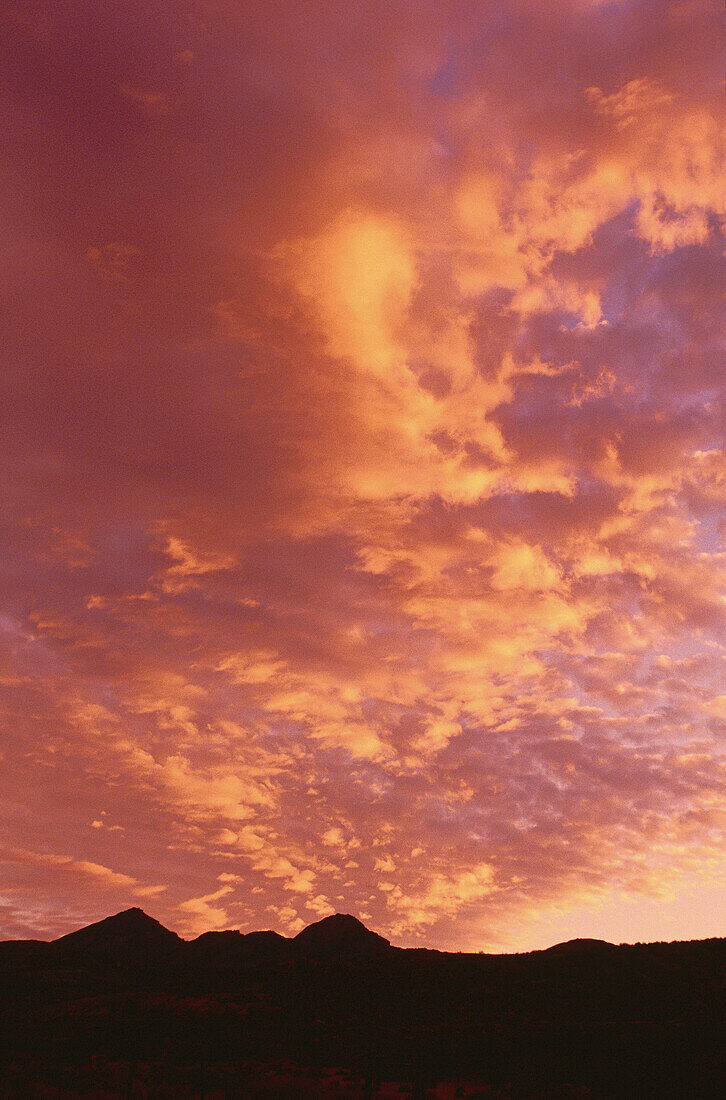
[[125, 1008]]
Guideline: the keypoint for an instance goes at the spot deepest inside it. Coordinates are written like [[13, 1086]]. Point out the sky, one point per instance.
[[363, 529]]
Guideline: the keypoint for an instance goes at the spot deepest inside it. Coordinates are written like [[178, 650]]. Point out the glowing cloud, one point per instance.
[[365, 496]]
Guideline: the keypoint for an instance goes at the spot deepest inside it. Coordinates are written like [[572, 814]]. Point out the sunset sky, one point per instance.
[[363, 538]]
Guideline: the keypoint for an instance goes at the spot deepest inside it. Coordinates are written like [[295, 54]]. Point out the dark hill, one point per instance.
[[579, 947], [339, 935], [131, 924], [124, 938], [124, 1007], [234, 948]]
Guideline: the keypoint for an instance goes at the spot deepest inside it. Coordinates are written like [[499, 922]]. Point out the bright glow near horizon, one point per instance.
[[364, 536]]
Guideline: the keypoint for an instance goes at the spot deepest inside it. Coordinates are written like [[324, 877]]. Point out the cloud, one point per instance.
[[363, 467], [201, 916], [78, 869]]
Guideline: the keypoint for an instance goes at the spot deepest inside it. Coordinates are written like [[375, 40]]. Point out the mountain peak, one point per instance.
[[131, 930], [340, 933]]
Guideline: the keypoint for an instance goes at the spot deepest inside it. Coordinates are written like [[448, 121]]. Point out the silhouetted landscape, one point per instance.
[[126, 1008]]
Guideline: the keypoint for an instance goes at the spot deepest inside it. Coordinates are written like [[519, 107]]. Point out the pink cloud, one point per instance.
[[363, 408]]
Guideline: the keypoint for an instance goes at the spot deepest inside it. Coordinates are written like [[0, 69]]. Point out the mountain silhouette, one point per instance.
[[579, 946], [122, 938], [125, 1007], [133, 932], [235, 948], [341, 935]]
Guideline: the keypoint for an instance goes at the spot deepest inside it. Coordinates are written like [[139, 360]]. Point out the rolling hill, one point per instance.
[[125, 1007]]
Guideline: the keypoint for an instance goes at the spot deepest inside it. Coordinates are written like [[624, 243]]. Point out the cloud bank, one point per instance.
[[363, 539]]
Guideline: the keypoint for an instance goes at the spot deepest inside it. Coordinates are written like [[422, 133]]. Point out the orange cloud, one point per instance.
[[363, 416]]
